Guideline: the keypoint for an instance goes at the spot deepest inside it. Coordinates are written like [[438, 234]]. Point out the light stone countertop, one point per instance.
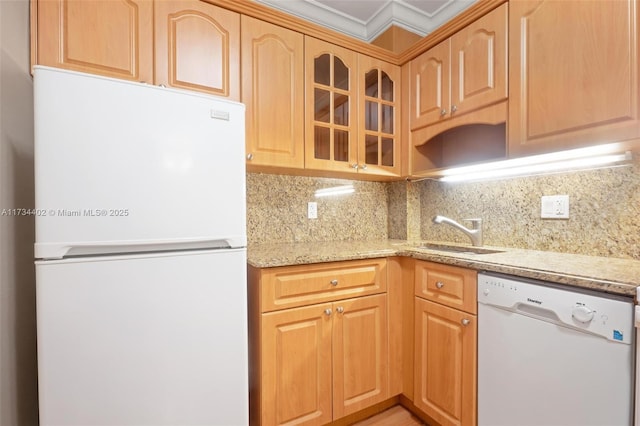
[[610, 275]]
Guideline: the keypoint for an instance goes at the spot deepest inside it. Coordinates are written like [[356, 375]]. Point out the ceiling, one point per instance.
[[367, 19]]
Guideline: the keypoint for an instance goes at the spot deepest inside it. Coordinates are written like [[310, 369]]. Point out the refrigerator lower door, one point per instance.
[[157, 339]]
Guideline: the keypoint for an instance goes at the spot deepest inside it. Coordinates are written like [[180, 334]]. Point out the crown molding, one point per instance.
[[321, 15], [395, 12]]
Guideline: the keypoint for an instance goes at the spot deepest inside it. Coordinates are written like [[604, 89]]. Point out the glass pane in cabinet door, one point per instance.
[[371, 149], [340, 109], [387, 87], [371, 84], [340, 74], [387, 118], [371, 115], [321, 103], [322, 143], [340, 145], [322, 70], [387, 152]]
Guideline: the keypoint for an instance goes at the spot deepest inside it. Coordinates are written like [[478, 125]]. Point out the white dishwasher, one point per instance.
[[549, 356]]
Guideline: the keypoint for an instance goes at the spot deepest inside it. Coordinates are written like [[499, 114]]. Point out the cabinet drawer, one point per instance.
[[448, 285], [302, 285]]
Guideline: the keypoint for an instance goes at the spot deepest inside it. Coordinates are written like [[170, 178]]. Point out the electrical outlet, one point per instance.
[[312, 210], [554, 207]]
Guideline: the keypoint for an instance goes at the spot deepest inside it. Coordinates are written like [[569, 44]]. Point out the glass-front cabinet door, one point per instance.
[[331, 124], [379, 117]]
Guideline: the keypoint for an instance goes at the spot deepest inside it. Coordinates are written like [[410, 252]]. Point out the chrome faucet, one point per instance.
[[475, 233]]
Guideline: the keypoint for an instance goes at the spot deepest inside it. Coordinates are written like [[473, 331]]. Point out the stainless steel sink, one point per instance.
[[458, 249]]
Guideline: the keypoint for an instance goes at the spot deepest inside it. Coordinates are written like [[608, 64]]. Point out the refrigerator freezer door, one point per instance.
[[125, 164], [155, 339]]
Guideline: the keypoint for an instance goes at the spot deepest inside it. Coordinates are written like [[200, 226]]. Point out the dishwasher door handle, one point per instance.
[[538, 312]]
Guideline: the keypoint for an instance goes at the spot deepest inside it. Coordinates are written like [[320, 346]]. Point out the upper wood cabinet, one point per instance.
[[273, 92], [113, 38], [188, 44], [430, 86], [573, 74], [379, 148], [353, 111], [331, 107], [197, 47], [463, 73]]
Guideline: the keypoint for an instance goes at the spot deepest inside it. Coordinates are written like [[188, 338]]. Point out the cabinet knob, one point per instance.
[[339, 309], [327, 312], [443, 112], [362, 167], [465, 321], [453, 109], [249, 157], [334, 282], [439, 284], [354, 166]]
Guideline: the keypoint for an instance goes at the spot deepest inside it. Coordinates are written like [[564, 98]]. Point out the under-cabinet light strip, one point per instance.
[[336, 190], [597, 156]]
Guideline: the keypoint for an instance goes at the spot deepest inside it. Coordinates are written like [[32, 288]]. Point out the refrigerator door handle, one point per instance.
[[47, 251]]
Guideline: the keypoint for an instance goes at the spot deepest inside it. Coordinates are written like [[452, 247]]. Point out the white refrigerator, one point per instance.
[[140, 254]]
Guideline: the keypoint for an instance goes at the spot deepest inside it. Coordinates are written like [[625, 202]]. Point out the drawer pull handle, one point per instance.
[[334, 282], [327, 312], [339, 309], [439, 284], [465, 321]]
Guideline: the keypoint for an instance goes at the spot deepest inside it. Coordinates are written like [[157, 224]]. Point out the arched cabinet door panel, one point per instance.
[[462, 74], [331, 108], [430, 87], [379, 117], [197, 47], [273, 92], [113, 38]]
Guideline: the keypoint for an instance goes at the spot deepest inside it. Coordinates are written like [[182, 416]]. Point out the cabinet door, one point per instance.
[[360, 354], [296, 366], [479, 63], [430, 88], [379, 117], [445, 363], [197, 47], [331, 123], [113, 38], [273, 92], [573, 74]]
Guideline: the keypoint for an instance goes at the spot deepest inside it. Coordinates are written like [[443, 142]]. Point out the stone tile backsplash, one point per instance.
[[277, 210], [604, 211]]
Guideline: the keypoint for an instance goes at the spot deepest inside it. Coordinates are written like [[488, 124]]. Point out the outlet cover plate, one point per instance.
[[554, 207], [312, 210]]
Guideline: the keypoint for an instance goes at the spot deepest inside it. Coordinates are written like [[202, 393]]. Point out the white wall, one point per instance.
[[18, 369]]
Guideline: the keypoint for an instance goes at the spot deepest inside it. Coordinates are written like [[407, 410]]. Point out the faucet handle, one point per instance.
[[476, 223]]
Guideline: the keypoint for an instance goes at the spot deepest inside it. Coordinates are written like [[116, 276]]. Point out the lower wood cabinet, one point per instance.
[[316, 363], [445, 367]]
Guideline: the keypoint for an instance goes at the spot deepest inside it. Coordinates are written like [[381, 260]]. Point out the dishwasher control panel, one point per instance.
[[603, 315]]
